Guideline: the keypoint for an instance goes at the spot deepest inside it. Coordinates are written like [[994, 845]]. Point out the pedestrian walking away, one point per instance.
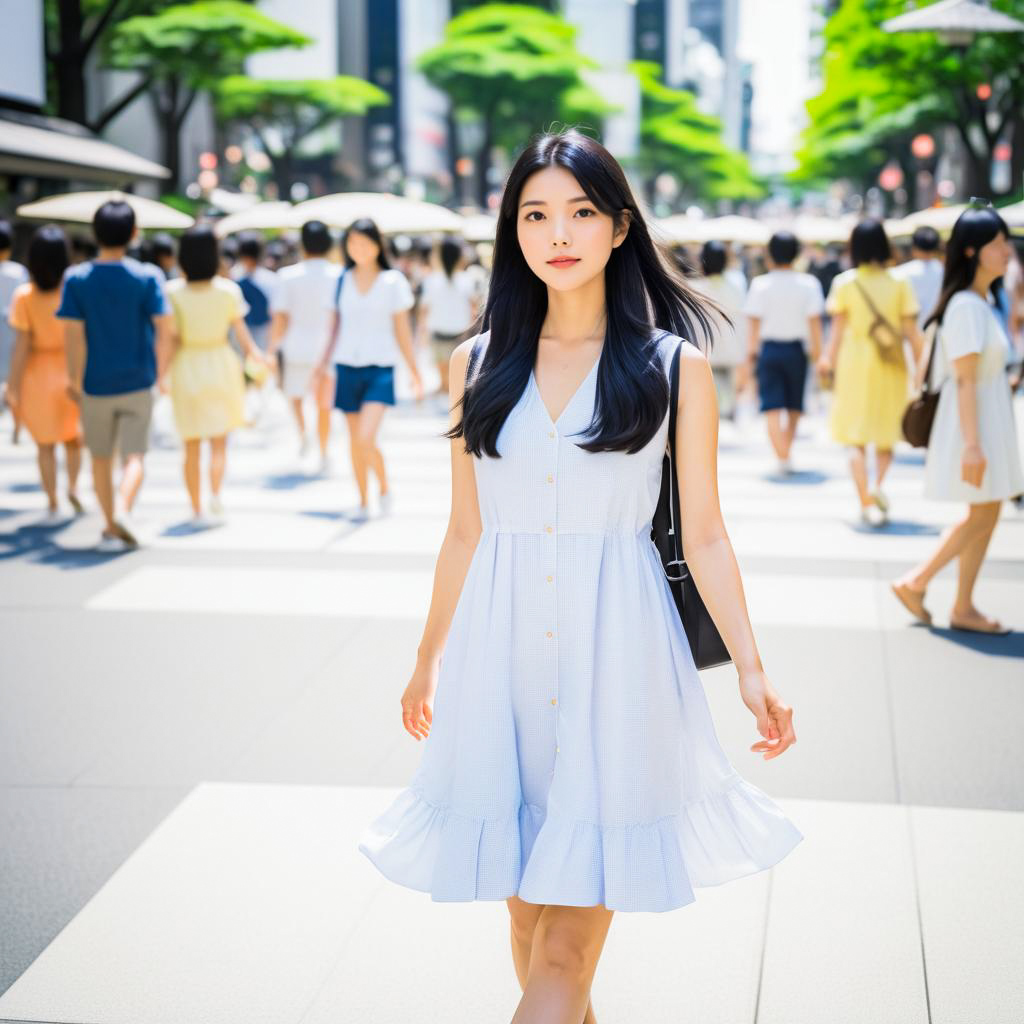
[[873, 311], [973, 451], [371, 304], [448, 306], [12, 276], [117, 322], [924, 271], [783, 310], [301, 307], [570, 766], [206, 378], [39, 382], [728, 364]]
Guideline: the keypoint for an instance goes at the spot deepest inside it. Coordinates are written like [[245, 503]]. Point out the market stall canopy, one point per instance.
[[277, 216], [817, 230], [683, 230], [942, 218], [392, 214], [1013, 215], [80, 207], [33, 149]]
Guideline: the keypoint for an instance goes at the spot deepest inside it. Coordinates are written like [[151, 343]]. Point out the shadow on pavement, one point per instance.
[[1009, 646]]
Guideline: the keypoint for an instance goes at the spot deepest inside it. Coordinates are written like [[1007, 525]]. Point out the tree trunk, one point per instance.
[[484, 158], [1017, 159], [282, 166], [453, 151], [69, 62]]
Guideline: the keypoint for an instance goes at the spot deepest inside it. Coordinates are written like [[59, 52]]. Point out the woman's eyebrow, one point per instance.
[[541, 202]]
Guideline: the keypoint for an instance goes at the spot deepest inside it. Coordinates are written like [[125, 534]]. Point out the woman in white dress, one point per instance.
[[571, 766], [973, 453]]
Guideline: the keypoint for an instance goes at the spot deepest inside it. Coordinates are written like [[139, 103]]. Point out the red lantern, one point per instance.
[[923, 146]]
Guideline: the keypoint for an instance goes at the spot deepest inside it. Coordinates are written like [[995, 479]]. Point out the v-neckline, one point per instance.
[[355, 285], [572, 397]]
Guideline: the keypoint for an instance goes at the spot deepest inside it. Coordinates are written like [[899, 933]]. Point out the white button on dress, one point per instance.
[[572, 758]]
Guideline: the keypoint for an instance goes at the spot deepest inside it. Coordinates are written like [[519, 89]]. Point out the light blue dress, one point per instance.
[[572, 757]]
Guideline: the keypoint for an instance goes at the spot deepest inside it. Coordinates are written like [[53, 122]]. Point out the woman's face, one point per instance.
[[556, 219], [361, 248], [994, 256]]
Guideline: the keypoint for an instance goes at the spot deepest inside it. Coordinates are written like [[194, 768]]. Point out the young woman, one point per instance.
[[973, 455], [871, 379], [448, 306], [372, 304], [207, 383], [39, 381], [571, 765]]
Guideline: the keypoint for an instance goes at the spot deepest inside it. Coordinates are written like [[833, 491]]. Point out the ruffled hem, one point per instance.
[[543, 858]]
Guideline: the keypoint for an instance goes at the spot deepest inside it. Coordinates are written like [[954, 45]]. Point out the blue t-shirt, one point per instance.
[[116, 301]]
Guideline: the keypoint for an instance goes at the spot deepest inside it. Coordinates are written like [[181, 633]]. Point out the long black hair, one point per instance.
[[365, 226], [642, 291], [973, 229], [49, 255]]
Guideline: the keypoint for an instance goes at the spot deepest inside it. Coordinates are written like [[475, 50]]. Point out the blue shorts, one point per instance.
[[781, 375], [355, 385]]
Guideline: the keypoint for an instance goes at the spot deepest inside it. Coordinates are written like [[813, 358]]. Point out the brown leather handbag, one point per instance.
[[920, 413]]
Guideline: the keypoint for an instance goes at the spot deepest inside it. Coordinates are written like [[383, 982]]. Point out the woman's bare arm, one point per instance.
[[708, 551], [965, 374], [454, 557], [19, 356]]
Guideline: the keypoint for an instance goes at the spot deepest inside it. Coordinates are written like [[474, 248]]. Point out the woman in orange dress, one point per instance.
[[38, 383]]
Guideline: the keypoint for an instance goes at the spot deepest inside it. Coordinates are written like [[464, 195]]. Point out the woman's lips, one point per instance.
[[563, 262]]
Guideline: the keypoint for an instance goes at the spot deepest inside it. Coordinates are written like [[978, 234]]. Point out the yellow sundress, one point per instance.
[[870, 395], [207, 380]]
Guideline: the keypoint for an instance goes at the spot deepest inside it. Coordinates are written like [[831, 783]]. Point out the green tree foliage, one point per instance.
[[183, 50], [675, 136], [515, 68], [880, 89], [295, 110]]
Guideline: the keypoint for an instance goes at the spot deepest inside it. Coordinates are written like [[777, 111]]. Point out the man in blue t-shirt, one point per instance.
[[117, 332]]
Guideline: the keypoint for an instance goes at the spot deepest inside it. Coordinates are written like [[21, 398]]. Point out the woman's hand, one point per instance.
[[972, 465], [774, 716], [418, 699], [417, 383]]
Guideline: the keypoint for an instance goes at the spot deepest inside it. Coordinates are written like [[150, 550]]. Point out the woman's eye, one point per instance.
[[582, 209]]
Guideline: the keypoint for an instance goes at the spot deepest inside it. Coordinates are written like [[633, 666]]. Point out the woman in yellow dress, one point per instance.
[[207, 382], [872, 383]]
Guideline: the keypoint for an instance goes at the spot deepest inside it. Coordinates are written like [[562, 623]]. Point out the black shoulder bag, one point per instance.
[[706, 644]]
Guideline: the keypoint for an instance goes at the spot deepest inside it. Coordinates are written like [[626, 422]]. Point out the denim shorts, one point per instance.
[[781, 375], [355, 385]]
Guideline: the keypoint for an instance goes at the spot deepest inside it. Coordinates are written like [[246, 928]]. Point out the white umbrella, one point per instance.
[[262, 217], [1013, 215], [682, 230], [479, 227], [817, 230], [81, 207], [392, 214], [942, 218], [956, 21]]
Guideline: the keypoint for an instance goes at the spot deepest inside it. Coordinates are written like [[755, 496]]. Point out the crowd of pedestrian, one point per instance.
[[90, 337]]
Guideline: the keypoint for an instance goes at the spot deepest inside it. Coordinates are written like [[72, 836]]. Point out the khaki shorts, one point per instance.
[[443, 345], [123, 419]]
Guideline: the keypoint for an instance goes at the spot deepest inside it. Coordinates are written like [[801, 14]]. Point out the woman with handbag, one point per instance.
[[571, 766], [973, 454], [872, 310]]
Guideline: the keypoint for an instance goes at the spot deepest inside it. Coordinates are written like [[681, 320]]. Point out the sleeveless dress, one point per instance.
[[572, 757]]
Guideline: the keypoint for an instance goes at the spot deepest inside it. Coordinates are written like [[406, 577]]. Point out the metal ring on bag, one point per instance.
[[676, 579]]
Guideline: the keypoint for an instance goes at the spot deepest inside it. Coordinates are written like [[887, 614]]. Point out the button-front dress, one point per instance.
[[572, 758]]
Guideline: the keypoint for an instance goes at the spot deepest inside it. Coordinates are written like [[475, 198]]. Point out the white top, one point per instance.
[[970, 325], [305, 291], [729, 342], [11, 276], [263, 277], [448, 301], [784, 300], [367, 335], [925, 277], [572, 758]]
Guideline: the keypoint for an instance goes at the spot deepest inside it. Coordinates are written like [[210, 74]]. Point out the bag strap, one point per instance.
[[874, 309], [926, 385], [675, 513], [337, 290]]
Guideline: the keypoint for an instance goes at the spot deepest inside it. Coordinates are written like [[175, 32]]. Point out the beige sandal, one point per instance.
[[913, 601]]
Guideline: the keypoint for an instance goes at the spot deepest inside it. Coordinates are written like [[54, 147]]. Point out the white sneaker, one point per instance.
[[216, 508], [385, 504], [880, 499], [325, 466], [303, 447], [785, 467], [360, 515], [872, 515], [53, 516]]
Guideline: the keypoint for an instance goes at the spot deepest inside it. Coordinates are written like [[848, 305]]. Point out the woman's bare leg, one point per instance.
[[859, 472], [776, 433], [971, 558], [46, 457], [218, 462], [73, 464], [357, 456], [192, 473], [566, 946], [883, 460], [370, 417]]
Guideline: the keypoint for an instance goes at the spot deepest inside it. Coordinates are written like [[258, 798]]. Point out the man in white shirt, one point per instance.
[[783, 310], [301, 317], [924, 271], [11, 276]]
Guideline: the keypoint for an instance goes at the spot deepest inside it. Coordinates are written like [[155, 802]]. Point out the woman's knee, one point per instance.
[[569, 943], [524, 917]]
